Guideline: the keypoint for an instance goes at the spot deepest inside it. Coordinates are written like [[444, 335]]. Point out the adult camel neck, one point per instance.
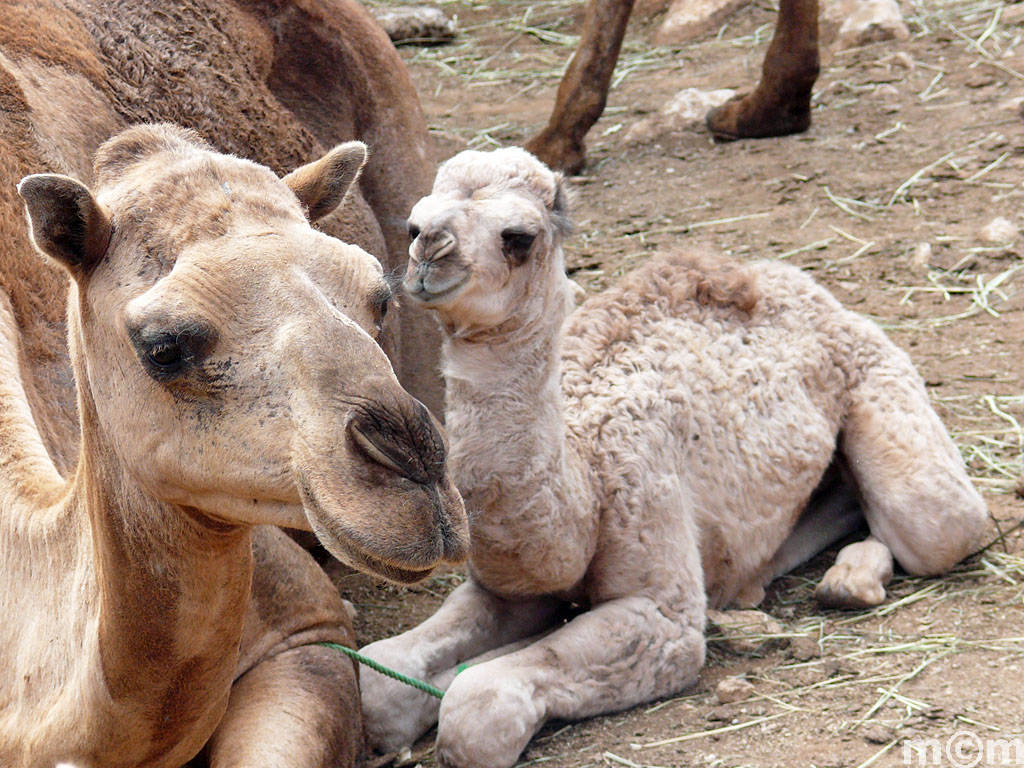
[[172, 591]]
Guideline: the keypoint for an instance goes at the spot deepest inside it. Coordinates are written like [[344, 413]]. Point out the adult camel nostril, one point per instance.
[[403, 442]]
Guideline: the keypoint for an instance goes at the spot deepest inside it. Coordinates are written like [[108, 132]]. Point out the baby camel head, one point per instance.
[[484, 239], [226, 351]]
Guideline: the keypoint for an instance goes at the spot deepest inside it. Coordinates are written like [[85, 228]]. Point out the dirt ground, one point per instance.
[[913, 142]]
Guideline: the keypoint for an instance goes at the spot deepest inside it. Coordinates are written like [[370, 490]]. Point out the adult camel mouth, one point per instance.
[[343, 543]]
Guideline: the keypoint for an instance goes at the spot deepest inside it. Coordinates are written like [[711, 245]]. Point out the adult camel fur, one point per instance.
[[275, 81], [779, 105], [674, 443], [228, 381]]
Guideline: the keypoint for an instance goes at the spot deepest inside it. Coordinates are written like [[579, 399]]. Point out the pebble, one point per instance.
[[733, 689], [999, 230], [922, 255]]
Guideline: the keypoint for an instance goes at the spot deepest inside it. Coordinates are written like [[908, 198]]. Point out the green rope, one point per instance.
[[417, 684]]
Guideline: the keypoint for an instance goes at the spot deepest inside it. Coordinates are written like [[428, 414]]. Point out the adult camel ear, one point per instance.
[[322, 184], [65, 221]]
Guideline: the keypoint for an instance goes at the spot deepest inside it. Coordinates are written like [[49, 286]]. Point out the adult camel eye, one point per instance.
[[167, 353], [166, 356]]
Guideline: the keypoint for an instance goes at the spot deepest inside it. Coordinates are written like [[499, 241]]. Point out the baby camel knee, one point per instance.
[[950, 538]]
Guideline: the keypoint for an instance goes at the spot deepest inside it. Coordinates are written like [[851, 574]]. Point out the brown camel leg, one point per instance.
[[583, 91], [299, 709], [781, 103]]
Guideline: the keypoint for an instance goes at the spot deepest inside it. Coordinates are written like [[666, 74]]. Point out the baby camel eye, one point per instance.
[[414, 231], [516, 245]]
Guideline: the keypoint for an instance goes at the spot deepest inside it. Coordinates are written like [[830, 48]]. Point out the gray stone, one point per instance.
[[687, 19], [415, 23], [742, 631], [852, 23]]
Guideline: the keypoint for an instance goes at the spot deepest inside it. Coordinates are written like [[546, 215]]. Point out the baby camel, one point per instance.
[[227, 377], [644, 456]]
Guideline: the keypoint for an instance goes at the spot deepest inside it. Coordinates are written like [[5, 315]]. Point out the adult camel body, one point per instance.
[[275, 81], [228, 380], [779, 105]]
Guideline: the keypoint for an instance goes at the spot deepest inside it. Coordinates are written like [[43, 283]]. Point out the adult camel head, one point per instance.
[[226, 351]]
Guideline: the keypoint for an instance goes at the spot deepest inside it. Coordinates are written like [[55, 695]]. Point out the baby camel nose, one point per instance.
[[434, 242]]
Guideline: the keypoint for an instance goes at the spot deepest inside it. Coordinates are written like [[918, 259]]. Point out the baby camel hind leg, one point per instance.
[[917, 499]]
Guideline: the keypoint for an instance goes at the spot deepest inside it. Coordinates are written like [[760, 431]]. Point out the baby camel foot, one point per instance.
[[486, 721], [858, 577]]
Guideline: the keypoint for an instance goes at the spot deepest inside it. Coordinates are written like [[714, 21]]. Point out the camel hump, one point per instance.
[[140, 142], [708, 279]]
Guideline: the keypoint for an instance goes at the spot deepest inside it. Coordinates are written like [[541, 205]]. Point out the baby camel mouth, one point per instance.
[[422, 295]]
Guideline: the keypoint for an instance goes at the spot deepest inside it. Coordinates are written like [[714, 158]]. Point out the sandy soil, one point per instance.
[[914, 142]]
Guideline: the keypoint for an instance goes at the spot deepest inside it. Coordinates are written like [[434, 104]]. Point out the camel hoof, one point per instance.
[[750, 117], [844, 586], [485, 722]]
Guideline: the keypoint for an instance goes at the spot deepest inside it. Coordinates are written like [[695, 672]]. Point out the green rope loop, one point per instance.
[[419, 685]]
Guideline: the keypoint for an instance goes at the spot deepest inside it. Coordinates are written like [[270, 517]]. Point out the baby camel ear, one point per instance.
[[322, 184], [65, 221], [561, 206]]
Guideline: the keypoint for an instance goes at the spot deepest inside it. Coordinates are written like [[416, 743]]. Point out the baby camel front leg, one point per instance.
[[470, 622], [619, 654]]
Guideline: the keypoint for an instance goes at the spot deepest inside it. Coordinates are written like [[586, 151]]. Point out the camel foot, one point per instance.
[[557, 151], [753, 116], [485, 721], [858, 577]]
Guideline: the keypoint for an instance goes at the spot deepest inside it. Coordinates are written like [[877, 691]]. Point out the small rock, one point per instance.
[[922, 255], [684, 111], [733, 689], [886, 91], [980, 79], [804, 649], [687, 19], [999, 230], [742, 631], [415, 23], [1011, 105], [903, 59], [350, 609], [852, 23], [877, 734], [1012, 14]]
